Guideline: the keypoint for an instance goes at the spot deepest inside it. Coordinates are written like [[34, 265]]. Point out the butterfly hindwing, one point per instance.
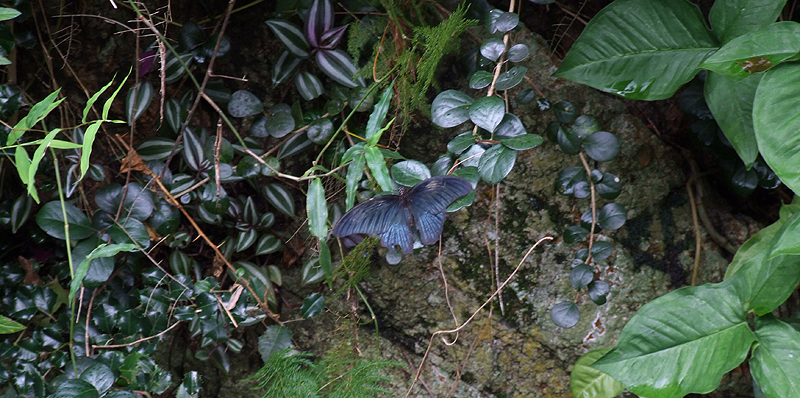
[[372, 217], [428, 200]]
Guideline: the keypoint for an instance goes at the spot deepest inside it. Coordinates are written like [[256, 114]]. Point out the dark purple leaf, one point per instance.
[[331, 38], [319, 20], [146, 60]]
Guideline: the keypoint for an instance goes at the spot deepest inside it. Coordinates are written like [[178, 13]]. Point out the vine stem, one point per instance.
[[594, 206]]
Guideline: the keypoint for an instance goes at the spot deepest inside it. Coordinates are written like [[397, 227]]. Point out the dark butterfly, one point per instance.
[[392, 217]]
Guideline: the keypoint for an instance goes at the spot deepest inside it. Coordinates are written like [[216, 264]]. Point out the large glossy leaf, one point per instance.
[[774, 364], [496, 163], [291, 37], [681, 343], [588, 382], [50, 219], [410, 172], [138, 200], [731, 103], [640, 49], [732, 18], [492, 49], [450, 108], [338, 66], [274, 339], [487, 112], [317, 209], [776, 121], [100, 376], [75, 388], [756, 51]]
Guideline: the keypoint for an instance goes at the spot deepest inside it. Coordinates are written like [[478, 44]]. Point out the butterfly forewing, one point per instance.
[[428, 201], [372, 217]]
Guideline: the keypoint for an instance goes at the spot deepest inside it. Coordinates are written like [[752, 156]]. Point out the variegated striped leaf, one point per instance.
[[280, 198]]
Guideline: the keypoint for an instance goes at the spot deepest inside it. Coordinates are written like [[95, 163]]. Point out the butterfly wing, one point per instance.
[[382, 216], [428, 201]]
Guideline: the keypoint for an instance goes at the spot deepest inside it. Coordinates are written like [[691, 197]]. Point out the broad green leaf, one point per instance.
[[377, 165], [410, 172], [138, 200], [518, 52], [308, 86], [137, 100], [585, 125], [280, 198], [523, 142], [707, 337], [496, 163], [50, 219], [450, 108], [565, 112], [731, 103], [581, 276], [640, 49], [480, 79], [756, 51], [317, 209], [565, 314], [588, 382], [461, 142], [612, 216], [487, 112], [312, 305], [509, 127], [378, 115], [510, 78], [8, 326], [244, 103], [320, 131], [567, 178], [776, 121], [758, 243], [506, 21], [128, 231], [601, 146], [774, 363], [8, 13], [100, 376], [279, 124], [274, 339], [75, 388], [733, 18], [291, 37], [492, 49], [338, 66], [101, 251]]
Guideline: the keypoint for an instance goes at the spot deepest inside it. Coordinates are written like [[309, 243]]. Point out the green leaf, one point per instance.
[[312, 305], [50, 219], [274, 339], [601, 146], [75, 388], [565, 112], [567, 178], [130, 230], [37, 113], [492, 49], [308, 86], [609, 187], [101, 251], [496, 163], [245, 239], [510, 78], [565, 314], [280, 198], [450, 108], [8, 13], [640, 49], [377, 165], [317, 209], [377, 116], [568, 141], [774, 363], [586, 125], [338, 66], [284, 67], [180, 263], [156, 148], [138, 200], [581, 276], [137, 100], [244, 103], [38, 155], [325, 261], [523, 142], [518, 52], [731, 103], [756, 51], [776, 120], [100, 376], [612, 216], [95, 96], [480, 79], [505, 22], [707, 336], [295, 145], [291, 37], [8, 326], [20, 212], [320, 131], [509, 127], [279, 124], [354, 173], [587, 382], [312, 272], [732, 18], [410, 172], [487, 112], [174, 69]]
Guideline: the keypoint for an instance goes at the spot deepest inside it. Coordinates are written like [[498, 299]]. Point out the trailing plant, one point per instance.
[[582, 135], [751, 91]]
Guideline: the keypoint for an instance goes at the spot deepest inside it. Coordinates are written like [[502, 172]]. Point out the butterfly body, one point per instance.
[[392, 218]]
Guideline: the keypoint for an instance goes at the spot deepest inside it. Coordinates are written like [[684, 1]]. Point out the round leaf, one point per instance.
[[602, 146], [509, 127], [568, 141], [461, 142], [565, 315], [609, 187], [518, 52], [586, 125], [598, 291], [612, 216], [487, 112], [123, 231], [581, 190], [506, 21], [244, 103], [565, 112], [568, 178], [601, 250], [575, 233], [279, 124], [581, 276], [509, 79], [450, 108], [410, 172], [320, 131], [492, 49], [480, 79], [496, 163], [50, 219]]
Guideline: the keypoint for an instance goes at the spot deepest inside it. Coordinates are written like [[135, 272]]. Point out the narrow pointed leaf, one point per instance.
[[138, 99], [317, 209], [338, 66], [291, 37]]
